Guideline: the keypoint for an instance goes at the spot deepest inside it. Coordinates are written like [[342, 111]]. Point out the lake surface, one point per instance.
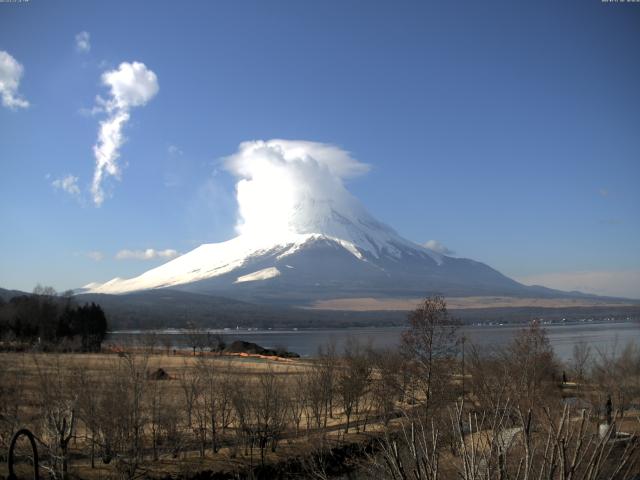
[[603, 336]]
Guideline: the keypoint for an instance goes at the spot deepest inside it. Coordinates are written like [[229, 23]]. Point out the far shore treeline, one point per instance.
[[51, 321]]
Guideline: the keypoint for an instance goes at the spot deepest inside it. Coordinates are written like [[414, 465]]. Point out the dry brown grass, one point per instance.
[[381, 304], [30, 367]]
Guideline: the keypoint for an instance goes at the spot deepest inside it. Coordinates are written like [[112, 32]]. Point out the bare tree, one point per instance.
[[315, 388], [196, 337], [559, 445], [270, 408], [216, 399], [202, 412], [156, 407], [189, 387], [533, 366], [491, 378], [353, 379], [171, 435], [430, 343], [388, 382], [122, 413], [58, 404], [226, 386], [580, 360], [261, 412], [296, 397], [245, 416], [167, 343], [617, 375], [88, 404], [413, 453], [327, 363]]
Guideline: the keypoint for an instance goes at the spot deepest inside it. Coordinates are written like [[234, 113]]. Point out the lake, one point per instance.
[[603, 336]]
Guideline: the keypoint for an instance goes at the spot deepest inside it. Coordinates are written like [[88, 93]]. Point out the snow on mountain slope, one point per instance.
[[302, 234], [217, 259], [263, 274]]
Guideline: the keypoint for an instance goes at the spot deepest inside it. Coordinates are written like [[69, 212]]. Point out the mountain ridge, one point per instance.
[[303, 237]]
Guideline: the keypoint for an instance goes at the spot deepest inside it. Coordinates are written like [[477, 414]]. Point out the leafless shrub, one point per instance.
[[533, 367], [12, 398], [580, 361], [88, 390], [58, 402], [557, 446], [190, 389], [617, 376], [296, 397], [122, 414], [388, 383], [261, 412]]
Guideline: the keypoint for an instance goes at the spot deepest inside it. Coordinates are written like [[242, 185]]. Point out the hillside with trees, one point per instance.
[[51, 322]]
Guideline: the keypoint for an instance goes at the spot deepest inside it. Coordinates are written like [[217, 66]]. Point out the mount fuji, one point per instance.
[[303, 237]]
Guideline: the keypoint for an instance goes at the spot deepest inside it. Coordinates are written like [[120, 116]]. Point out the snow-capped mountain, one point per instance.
[[316, 265], [331, 255], [304, 237]]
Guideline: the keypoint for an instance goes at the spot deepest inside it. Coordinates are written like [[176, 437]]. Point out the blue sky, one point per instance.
[[508, 131]]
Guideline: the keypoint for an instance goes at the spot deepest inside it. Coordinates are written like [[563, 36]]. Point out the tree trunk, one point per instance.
[[214, 437], [93, 450]]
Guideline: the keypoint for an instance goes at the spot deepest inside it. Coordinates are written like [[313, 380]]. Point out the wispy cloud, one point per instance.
[[10, 74], [174, 168], [95, 255], [438, 247], [68, 183], [131, 85], [174, 150], [611, 283], [603, 192], [83, 42], [147, 254]]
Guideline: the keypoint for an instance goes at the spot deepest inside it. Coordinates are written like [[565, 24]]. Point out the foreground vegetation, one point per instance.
[[436, 408]]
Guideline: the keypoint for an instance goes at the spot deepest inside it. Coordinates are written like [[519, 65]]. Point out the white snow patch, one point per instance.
[[263, 274], [350, 247]]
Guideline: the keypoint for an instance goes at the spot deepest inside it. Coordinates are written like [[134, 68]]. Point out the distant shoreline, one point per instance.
[[267, 331]]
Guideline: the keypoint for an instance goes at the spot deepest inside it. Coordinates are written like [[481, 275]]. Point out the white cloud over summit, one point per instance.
[[10, 75], [130, 85], [283, 184]]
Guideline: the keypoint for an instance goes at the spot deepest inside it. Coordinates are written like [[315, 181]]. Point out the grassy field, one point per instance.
[[29, 372], [157, 414]]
